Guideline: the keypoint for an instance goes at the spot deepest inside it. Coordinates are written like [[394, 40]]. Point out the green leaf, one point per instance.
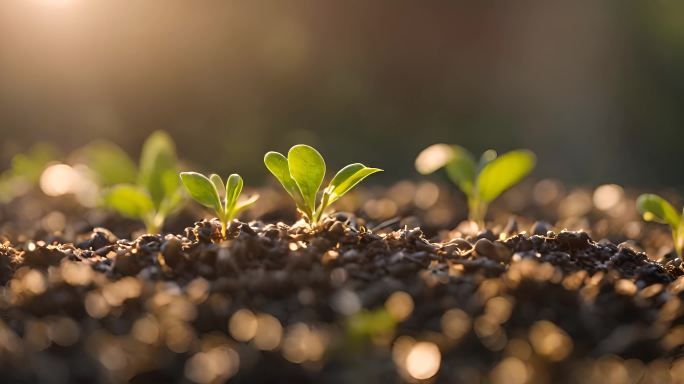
[[347, 178], [29, 166], [158, 166], [218, 183], [462, 169], [307, 168], [234, 185], [201, 189], [278, 166], [655, 208], [109, 162], [503, 173], [130, 201], [242, 205]]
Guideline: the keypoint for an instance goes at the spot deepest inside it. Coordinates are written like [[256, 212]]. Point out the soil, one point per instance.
[[351, 300]]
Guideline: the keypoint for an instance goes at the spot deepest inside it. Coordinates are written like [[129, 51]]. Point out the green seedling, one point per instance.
[[482, 181], [222, 198], [109, 164], [301, 173], [655, 208], [26, 170], [156, 192]]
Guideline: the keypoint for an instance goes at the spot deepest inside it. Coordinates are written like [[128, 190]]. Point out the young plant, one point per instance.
[[301, 173], [481, 181], [156, 193], [222, 198], [655, 208]]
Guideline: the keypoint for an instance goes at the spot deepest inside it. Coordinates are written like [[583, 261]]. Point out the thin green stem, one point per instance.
[[477, 210], [678, 239]]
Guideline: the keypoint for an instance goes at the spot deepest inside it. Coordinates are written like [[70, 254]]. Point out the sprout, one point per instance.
[[301, 173], [655, 208], [222, 198], [156, 193], [482, 182]]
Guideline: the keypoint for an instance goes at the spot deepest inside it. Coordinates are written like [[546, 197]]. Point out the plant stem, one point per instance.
[[224, 227], [477, 210], [321, 207], [678, 239]]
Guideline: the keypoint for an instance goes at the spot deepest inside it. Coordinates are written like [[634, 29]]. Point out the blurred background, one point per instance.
[[594, 88]]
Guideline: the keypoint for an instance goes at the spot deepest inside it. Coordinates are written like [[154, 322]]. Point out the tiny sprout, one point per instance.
[[156, 193], [222, 198], [482, 181], [655, 208], [301, 173]]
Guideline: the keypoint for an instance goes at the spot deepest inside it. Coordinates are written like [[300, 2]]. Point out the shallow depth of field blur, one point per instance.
[[594, 88]]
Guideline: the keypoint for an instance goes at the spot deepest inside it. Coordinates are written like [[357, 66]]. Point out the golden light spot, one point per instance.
[[519, 348], [215, 365], [117, 292], [112, 357], [269, 332], [96, 305], [380, 208], [303, 344], [423, 360], [625, 287], [427, 195], [243, 325], [146, 330], [399, 305], [499, 308], [455, 323], [58, 180], [179, 336], [76, 273], [608, 196], [550, 341], [198, 290], [53, 221], [433, 158], [577, 203], [509, 371], [34, 282], [63, 331], [546, 191]]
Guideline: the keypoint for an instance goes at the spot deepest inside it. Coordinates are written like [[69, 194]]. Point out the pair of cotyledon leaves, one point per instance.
[[301, 173], [485, 180], [213, 193]]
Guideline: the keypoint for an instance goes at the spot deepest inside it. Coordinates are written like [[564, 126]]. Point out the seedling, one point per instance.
[[25, 170], [655, 208], [156, 193], [301, 173], [222, 198], [482, 181]]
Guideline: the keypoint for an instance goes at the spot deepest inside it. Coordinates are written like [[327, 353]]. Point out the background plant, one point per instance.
[[481, 181], [213, 193], [156, 192], [25, 170], [301, 173], [655, 208]]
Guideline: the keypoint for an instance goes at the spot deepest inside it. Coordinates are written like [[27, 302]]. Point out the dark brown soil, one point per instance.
[[547, 307]]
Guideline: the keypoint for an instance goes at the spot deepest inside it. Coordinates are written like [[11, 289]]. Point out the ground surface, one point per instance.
[[338, 304]]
